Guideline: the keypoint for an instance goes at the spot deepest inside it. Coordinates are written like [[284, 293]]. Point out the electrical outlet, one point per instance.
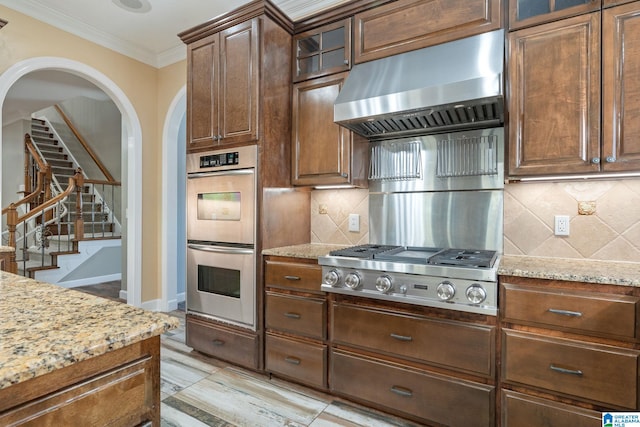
[[354, 223], [561, 225]]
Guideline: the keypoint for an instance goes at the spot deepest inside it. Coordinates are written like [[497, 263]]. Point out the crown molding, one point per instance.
[[64, 22]]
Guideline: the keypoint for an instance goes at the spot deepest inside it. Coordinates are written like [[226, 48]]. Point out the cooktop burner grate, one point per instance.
[[362, 251]]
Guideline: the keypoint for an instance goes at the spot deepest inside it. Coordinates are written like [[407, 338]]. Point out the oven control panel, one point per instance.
[[220, 159]]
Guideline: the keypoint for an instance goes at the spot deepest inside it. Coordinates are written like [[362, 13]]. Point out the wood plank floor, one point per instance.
[[197, 390]]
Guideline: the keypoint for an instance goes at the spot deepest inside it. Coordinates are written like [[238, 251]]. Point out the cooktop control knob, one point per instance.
[[384, 284], [332, 278], [353, 281], [476, 294], [446, 290]]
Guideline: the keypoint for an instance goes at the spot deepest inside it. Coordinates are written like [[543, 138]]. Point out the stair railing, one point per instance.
[[50, 206], [98, 187]]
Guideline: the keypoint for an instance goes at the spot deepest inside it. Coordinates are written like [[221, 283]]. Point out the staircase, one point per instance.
[[58, 251]]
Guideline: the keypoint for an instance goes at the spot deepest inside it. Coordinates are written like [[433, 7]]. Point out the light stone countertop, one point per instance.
[[308, 250], [575, 270], [6, 249], [44, 327]]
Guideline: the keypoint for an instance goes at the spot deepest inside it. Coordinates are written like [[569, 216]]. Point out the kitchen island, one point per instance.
[[69, 358]]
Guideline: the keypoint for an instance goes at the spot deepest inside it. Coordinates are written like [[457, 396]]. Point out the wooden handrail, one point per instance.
[[30, 197], [75, 183], [102, 182], [38, 209], [93, 155], [30, 146]]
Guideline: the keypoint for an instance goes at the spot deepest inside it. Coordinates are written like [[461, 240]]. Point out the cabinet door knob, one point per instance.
[[215, 137], [346, 62], [610, 159], [595, 160], [219, 137]]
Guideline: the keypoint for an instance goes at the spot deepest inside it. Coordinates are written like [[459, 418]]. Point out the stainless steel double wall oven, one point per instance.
[[221, 235]]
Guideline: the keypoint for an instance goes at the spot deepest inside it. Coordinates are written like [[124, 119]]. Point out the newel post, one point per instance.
[[79, 223], [12, 222]]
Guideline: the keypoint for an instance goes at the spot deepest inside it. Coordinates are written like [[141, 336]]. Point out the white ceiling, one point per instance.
[[149, 37]]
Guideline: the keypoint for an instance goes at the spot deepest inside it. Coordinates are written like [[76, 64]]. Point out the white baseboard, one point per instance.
[[90, 281]]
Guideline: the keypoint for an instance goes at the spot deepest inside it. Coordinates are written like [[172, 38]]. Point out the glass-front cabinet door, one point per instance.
[[524, 13], [322, 51]]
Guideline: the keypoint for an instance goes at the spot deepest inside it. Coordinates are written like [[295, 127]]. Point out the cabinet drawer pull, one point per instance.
[[401, 337], [576, 372], [292, 315], [292, 360], [565, 312], [292, 277], [217, 342], [401, 391]]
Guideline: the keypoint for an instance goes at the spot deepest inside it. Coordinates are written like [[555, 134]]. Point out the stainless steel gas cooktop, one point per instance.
[[457, 279]]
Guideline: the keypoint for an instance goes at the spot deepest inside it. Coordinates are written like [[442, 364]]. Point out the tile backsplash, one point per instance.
[[604, 219], [330, 211]]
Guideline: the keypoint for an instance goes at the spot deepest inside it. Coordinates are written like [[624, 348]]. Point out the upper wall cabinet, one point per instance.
[[322, 51], [554, 101], [222, 95], [324, 153], [621, 88], [555, 86], [406, 25], [525, 13]]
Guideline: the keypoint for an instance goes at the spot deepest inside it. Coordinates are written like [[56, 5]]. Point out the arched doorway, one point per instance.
[[131, 151], [173, 203]]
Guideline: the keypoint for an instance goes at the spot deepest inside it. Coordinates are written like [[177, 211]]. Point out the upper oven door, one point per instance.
[[221, 206]]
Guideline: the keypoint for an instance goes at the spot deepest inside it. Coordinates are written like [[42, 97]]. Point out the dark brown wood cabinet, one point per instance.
[[295, 321], [239, 87], [554, 101], [406, 25], [119, 388], [324, 153], [621, 88], [558, 94], [223, 87], [414, 362], [322, 51], [570, 351]]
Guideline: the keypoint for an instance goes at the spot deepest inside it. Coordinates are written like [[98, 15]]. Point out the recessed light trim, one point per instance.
[[135, 6]]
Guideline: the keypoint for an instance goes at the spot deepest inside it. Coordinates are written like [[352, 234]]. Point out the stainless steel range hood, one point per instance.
[[455, 85]]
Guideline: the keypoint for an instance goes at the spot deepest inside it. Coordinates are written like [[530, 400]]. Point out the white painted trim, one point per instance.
[[93, 281], [170, 204], [132, 145]]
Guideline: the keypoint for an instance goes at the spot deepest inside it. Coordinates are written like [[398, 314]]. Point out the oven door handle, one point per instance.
[[221, 249], [220, 173]]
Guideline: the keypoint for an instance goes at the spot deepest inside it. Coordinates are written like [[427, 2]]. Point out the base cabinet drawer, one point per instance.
[[299, 315], [455, 345], [288, 275], [241, 348], [599, 373], [431, 397], [588, 313], [300, 361], [519, 410]]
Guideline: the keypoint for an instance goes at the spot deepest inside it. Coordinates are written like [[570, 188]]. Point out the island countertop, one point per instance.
[[44, 327]]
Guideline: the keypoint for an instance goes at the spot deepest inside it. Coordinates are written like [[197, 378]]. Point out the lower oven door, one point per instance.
[[221, 283]]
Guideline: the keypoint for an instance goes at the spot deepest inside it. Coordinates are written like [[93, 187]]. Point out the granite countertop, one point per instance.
[[308, 250], [576, 270], [44, 327]]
